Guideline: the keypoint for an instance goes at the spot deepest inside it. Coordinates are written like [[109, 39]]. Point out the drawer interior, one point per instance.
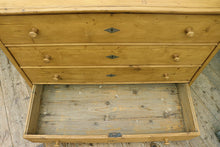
[[99, 110]]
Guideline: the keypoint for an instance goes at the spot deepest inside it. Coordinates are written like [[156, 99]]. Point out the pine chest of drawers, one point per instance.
[[110, 71]]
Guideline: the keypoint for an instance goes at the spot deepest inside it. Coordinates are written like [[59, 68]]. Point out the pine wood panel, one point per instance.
[[81, 28], [99, 110], [34, 105], [74, 6], [205, 96], [104, 139], [87, 113], [14, 62], [110, 74], [5, 134], [215, 51], [15, 95], [191, 123], [126, 3], [98, 55]]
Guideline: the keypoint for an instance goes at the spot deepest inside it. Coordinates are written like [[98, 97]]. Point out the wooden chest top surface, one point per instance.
[[76, 6]]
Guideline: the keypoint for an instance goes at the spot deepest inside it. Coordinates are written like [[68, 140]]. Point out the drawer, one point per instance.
[[111, 55], [111, 113], [121, 28], [119, 74]]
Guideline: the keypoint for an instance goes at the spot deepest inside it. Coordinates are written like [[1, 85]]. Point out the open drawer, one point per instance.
[[111, 113]]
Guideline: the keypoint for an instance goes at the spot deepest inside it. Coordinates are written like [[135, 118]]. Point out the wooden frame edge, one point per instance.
[[34, 107], [14, 62], [106, 139], [110, 44], [73, 10], [27, 123], [195, 121], [114, 66], [109, 83], [187, 104], [205, 63]]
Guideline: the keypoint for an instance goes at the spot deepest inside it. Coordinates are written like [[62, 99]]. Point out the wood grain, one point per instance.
[[191, 123], [105, 139], [34, 107], [205, 92], [87, 113], [205, 96], [163, 28], [110, 44], [99, 55], [5, 134], [15, 63], [109, 75], [16, 96], [74, 6], [134, 28], [97, 110], [211, 55]]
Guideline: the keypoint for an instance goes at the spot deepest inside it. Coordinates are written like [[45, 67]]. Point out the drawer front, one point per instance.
[[110, 75], [109, 28], [110, 55]]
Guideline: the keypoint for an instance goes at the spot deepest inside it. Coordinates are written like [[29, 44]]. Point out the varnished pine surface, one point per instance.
[[205, 93], [90, 28], [74, 6], [111, 55], [112, 75], [99, 110]]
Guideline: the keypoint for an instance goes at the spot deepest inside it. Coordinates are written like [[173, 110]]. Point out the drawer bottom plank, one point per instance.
[[96, 111]]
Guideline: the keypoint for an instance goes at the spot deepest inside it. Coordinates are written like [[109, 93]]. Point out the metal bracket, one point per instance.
[[114, 135], [112, 56], [111, 30]]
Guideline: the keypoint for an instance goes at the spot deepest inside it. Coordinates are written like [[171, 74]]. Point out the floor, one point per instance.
[[15, 94]]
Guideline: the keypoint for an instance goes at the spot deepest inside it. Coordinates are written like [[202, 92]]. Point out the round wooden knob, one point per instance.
[[166, 76], [189, 32], [176, 58], [57, 144], [57, 77], [47, 59], [166, 142], [33, 33]]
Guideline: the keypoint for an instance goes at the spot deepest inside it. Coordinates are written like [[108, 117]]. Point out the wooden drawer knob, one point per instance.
[[166, 76], [57, 144], [33, 33], [166, 142], [189, 32], [57, 77], [47, 59], [176, 58]]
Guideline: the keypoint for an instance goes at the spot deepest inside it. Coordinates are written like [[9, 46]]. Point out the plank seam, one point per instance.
[[203, 103], [6, 112]]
